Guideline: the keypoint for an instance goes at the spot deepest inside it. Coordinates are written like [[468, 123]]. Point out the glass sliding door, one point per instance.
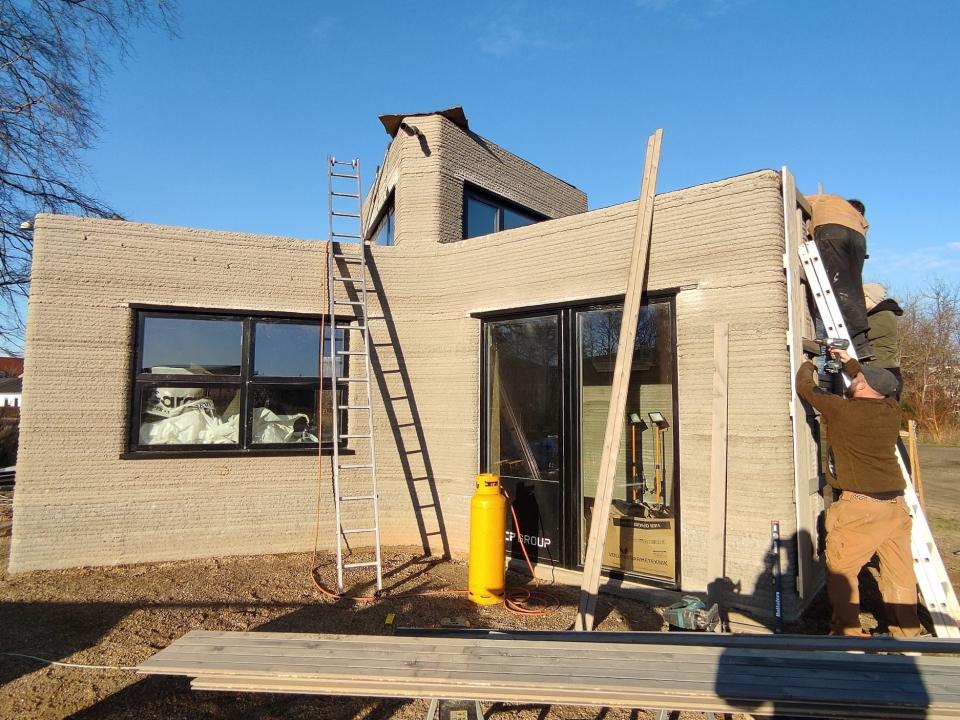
[[641, 535], [524, 398]]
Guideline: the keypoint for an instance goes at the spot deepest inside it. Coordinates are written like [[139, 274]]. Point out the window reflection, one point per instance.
[[284, 349], [485, 214], [176, 345], [524, 398], [641, 534]]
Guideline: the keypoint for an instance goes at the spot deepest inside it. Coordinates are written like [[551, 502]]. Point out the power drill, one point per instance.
[[819, 345]]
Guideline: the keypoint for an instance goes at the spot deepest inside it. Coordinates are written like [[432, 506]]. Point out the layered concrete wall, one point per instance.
[[718, 245]]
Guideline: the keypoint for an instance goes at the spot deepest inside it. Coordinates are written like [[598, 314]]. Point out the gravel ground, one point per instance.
[[122, 615]]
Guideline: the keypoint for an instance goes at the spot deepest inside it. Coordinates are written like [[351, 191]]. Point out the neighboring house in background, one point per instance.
[[495, 314], [11, 367], [11, 383], [11, 391]]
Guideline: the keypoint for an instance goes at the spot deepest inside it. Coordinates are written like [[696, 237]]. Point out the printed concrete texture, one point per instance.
[[717, 246]]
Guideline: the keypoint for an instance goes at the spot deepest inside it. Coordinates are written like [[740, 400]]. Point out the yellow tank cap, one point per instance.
[[488, 484]]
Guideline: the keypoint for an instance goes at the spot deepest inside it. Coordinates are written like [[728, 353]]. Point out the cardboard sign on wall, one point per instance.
[[641, 545]]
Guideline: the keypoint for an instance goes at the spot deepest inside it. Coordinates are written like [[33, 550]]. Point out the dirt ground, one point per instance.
[[122, 615]]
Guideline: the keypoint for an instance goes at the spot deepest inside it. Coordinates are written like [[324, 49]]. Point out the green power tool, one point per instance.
[[691, 614]]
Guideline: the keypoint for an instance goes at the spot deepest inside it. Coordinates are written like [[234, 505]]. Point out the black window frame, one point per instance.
[[570, 481], [499, 203], [246, 383]]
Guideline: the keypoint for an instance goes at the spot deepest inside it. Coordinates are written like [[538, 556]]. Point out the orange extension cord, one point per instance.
[[518, 601]]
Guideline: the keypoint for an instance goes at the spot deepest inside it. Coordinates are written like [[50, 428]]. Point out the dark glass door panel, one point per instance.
[[524, 396], [524, 436], [641, 535]]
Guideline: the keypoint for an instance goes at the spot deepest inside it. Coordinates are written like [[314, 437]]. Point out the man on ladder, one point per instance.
[[871, 516], [839, 229]]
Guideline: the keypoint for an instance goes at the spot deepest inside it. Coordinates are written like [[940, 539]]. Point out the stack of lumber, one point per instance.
[[771, 679]]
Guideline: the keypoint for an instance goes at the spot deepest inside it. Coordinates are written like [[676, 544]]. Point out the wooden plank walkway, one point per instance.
[[760, 681]]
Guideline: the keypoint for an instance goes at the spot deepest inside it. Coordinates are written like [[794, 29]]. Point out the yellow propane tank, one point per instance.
[[488, 545]]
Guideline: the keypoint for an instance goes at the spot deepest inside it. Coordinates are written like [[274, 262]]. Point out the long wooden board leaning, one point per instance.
[[621, 381]]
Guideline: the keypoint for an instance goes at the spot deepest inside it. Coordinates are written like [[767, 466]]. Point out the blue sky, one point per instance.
[[227, 126]]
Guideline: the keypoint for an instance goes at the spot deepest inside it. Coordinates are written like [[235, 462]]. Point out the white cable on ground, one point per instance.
[[70, 665]]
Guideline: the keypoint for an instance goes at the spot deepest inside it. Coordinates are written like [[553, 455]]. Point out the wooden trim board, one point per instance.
[[717, 530], [636, 280], [806, 479]]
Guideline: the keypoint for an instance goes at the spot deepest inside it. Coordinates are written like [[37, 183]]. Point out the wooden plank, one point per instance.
[[742, 677], [535, 658], [662, 675], [567, 641], [578, 653], [915, 473], [804, 205], [597, 698], [717, 529], [757, 707], [808, 505], [636, 280]]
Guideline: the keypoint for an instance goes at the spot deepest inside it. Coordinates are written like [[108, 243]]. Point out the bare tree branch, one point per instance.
[[53, 57]]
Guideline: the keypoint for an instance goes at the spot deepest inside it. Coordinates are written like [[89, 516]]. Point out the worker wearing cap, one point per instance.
[[839, 228], [871, 516], [884, 314]]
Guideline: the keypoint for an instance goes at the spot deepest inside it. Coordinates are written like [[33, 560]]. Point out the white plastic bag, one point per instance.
[[268, 427]]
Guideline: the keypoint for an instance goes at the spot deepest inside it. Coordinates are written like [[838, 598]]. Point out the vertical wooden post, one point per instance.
[[915, 474], [716, 536], [618, 392]]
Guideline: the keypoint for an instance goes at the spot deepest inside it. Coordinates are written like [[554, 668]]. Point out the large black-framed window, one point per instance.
[[230, 383], [572, 347], [485, 212]]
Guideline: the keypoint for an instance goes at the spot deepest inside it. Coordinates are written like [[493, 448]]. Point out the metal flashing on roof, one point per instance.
[[455, 114]]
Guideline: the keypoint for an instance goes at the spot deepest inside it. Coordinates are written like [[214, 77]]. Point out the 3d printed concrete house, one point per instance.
[[497, 299]]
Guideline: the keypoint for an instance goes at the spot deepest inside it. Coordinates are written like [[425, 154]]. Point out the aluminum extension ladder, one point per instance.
[[935, 587], [354, 482]]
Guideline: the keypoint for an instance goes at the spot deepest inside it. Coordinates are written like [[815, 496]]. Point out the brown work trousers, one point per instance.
[[856, 530]]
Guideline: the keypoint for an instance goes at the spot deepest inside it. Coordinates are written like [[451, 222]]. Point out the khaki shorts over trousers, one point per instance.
[[856, 530]]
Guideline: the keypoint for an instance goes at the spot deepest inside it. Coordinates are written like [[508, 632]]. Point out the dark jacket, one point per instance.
[[862, 433], [884, 320]]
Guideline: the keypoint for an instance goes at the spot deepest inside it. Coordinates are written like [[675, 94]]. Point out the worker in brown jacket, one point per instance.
[[871, 516], [839, 228]]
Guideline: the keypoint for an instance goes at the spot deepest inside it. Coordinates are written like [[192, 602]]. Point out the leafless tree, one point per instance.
[[53, 58], [930, 359]]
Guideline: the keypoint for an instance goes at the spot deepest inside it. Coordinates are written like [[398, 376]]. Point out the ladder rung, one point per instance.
[[351, 352], [372, 563], [351, 327], [343, 214], [346, 379], [354, 407], [344, 175], [348, 258], [347, 279], [343, 194], [365, 436], [355, 531], [345, 235], [344, 498], [354, 467], [348, 302]]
